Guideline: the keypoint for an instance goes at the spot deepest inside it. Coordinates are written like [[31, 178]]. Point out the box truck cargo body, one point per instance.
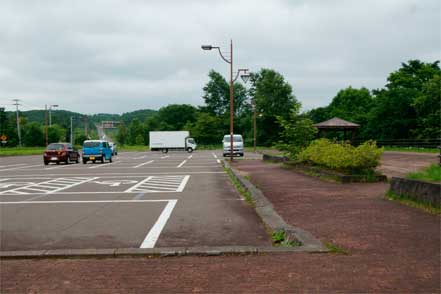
[[172, 140]]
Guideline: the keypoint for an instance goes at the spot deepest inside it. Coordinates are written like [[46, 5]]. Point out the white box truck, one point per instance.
[[171, 140]]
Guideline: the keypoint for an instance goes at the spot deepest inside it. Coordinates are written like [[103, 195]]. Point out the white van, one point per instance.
[[237, 145]]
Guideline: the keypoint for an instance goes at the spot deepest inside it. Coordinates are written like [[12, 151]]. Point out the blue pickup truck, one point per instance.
[[94, 150]]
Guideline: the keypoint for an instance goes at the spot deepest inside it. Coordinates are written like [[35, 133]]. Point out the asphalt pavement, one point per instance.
[[140, 200]]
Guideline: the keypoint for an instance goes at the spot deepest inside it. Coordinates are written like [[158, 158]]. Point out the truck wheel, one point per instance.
[[84, 160], [189, 150], [164, 150], [103, 158], [110, 159]]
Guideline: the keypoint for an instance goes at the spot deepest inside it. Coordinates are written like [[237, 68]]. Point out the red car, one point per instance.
[[60, 152]]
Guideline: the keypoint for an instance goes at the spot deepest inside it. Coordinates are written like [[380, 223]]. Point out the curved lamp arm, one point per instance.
[[245, 71]]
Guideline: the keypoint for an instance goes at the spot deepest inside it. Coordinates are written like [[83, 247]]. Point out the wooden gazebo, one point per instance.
[[338, 124]]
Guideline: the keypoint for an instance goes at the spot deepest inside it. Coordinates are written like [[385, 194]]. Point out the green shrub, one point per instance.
[[342, 156]]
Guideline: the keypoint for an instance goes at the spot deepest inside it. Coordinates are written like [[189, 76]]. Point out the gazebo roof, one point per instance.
[[337, 123]]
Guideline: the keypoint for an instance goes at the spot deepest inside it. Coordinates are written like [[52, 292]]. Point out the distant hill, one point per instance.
[[62, 117]]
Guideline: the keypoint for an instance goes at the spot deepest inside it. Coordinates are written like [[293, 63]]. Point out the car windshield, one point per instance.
[[91, 144], [235, 138], [55, 147]]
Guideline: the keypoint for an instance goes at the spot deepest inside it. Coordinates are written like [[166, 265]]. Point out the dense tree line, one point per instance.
[[407, 107]]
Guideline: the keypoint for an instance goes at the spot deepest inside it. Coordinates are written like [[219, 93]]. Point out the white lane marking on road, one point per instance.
[[9, 165], [59, 166], [83, 201], [182, 185], [1, 180], [165, 157], [21, 167], [153, 235], [42, 187], [99, 165], [137, 185], [182, 163], [215, 156], [218, 161], [139, 165], [190, 156], [154, 184], [112, 175]]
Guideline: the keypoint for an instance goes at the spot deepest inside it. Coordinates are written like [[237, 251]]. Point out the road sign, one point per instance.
[[3, 137]]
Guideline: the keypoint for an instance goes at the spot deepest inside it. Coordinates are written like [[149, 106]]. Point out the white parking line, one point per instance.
[[9, 165], [59, 166], [139, 165], [218, 161], [82, 201], [98, 165], [165, 157], [21, 167], [182, 185], [1, 180], [153, 235], [190, 156], [182, 163], [49, 187], [154, 184], [215, 156]]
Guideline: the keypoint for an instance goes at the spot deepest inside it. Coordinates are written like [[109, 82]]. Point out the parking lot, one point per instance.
[[141, 200]]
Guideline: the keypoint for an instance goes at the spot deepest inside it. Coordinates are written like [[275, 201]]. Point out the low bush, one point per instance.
[[342, 156]]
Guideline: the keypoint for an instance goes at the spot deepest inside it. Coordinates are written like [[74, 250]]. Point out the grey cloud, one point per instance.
[[116, 56]]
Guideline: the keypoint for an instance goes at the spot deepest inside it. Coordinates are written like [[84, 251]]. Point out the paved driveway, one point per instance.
[[141, 200]]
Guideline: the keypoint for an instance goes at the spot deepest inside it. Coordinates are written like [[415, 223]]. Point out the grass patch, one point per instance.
[[245, 193], [413, 203], [431, 174], [280, 239], [19, 151], [334, 248], [411, 149]]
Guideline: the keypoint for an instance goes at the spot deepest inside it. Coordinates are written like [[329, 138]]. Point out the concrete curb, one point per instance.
[[150, 252], [274, 221]]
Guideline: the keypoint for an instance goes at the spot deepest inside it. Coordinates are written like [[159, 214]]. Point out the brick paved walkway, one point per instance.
[[394, 249]]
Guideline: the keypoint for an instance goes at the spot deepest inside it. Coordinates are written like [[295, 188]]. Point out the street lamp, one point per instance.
[[245, 76], [50, 115]]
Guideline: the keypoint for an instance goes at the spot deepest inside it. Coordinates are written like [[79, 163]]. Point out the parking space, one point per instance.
[[141, 200]]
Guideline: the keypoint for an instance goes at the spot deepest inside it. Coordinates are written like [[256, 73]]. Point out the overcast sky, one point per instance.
[[119, 56]]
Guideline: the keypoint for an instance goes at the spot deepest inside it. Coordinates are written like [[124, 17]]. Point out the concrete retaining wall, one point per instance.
[[418, 190]]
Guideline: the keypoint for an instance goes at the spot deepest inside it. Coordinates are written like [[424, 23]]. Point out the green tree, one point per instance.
[[135, 129], [208, 129], [297, 131], [139, 140], [428, 109], [56, 133], [175, 116], [273, 98], [393, 115], [33, 135], [121, 136], [217, 96]]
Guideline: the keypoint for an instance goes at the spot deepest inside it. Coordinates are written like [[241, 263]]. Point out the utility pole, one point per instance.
[[231, 103], [18, 121], [45, 123], [86, 120], [71, 131]]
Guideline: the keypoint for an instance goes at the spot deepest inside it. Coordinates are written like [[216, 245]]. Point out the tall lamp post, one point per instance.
[[50, 114], [245, 76]]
